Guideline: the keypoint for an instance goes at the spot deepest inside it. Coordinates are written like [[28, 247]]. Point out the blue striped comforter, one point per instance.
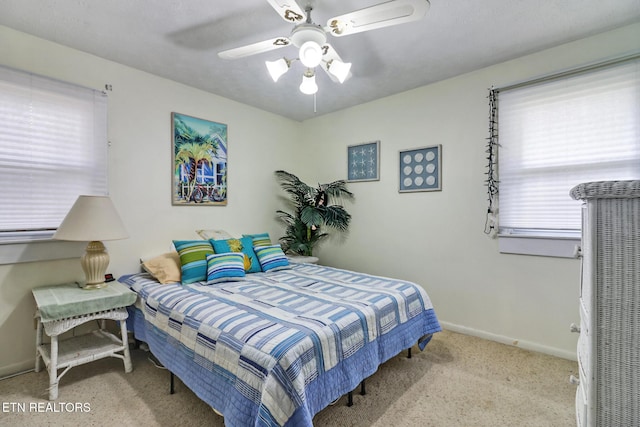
[[275, 349]]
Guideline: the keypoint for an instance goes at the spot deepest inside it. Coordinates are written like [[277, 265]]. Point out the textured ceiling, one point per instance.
[[179, 40]]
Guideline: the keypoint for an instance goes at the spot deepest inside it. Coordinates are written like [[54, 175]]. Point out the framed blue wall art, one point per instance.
[[199, 161], [421, 169], [363, 162]]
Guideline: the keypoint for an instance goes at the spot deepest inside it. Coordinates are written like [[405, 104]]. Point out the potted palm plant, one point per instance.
[[312, 210]]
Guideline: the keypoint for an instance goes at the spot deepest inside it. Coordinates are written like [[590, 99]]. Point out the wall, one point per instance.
[[140, 107], [436, 238]]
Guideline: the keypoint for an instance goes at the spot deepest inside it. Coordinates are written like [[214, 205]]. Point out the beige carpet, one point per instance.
[[457, 381]]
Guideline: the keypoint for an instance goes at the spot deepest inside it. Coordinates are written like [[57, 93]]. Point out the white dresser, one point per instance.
[[608, 392]]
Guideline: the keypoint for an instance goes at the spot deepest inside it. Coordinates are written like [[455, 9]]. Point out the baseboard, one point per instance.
[[527, 345], [17, 369]]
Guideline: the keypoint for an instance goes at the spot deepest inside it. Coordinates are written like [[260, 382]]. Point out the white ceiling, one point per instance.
[[179, 40]]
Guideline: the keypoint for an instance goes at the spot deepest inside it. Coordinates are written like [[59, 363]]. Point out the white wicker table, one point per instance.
[[64, 307]]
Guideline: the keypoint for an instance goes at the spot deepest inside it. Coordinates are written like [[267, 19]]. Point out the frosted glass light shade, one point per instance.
[[308, 85], [92, 219], [277, 68], [310, 54], [340, 69]]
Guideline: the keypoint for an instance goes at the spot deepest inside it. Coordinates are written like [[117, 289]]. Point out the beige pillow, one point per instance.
[[165, 268]]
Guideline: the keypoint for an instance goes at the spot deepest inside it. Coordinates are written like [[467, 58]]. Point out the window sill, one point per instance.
[[560, 247], [42, 250]]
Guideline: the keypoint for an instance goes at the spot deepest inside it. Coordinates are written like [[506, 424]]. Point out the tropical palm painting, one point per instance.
[[199, 161]]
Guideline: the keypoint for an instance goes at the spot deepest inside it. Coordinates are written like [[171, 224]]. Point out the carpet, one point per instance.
[[458, 380]]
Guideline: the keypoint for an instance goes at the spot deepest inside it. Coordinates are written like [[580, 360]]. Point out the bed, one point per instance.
[[278, 347]]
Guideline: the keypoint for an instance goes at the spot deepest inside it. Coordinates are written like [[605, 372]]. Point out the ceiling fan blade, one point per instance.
[[255, 48], [328, 56], [379, 16], [289, 10]]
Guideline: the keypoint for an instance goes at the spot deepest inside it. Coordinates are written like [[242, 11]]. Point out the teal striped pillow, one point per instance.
[[260, 239], [225, 267], [193, 259], [244, 245], [271, 257]]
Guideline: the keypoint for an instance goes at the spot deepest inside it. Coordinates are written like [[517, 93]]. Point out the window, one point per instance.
[[561, 131], [53, 148]]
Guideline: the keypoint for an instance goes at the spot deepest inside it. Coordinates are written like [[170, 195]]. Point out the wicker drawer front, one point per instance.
[[585, 319], [584, 347], [581, 406], [583, 360], [585, 385]]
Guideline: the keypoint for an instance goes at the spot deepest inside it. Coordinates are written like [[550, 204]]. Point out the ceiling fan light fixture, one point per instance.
[[308, 85], [310, 54], [339, 69], [278, 68], [311, 39]]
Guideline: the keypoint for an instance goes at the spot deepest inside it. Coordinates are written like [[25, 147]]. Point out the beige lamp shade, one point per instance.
[[92, 219]]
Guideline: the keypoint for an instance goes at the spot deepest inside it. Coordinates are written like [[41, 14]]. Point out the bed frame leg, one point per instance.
[[409, 353], [363, 391], [171, 387]]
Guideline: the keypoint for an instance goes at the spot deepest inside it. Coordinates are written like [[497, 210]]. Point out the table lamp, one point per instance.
[[92, 219]]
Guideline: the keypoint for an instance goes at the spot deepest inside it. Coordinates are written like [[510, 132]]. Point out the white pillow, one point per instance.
[[214, 234]]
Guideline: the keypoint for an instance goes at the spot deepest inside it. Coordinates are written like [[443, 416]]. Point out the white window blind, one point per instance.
[[53, 148], [561, 132]]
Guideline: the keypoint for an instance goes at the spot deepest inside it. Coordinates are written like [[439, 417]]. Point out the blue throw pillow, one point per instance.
[[271, 258], [244, 245], [260, 239], [193, 259], [225, 267]]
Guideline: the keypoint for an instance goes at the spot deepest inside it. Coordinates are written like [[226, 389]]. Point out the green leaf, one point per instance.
[[311, 215], [302, 231]]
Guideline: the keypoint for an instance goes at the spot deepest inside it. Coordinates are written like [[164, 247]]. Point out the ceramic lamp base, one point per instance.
[[94, 263]]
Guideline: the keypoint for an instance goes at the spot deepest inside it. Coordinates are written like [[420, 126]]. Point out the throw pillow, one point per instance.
[[165, 268], [214, 234], [271, 258], [225, 267], [244, 245], [193, 259], [260, 239]]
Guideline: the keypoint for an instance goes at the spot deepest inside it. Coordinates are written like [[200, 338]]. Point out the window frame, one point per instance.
[[554, 243], [32, 98]]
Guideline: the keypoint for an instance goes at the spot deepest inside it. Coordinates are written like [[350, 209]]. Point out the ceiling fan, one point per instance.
[[311, 38]]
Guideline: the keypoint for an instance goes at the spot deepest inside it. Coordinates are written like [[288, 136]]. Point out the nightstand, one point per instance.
[[61, 308]]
